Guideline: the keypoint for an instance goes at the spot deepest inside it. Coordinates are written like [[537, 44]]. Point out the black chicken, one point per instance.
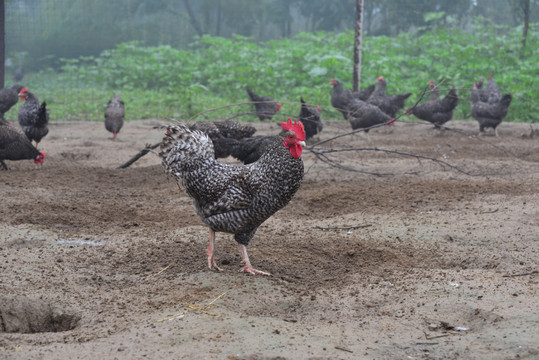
[[234, 199], [223, 129], [33, 118], [364, 115], [247, 150], [310, 118], [340, 97], [364, 93], [115, 115], [489, 114], [436, 111], [265, 106], [389, 104], [14, 145], [9, 97]]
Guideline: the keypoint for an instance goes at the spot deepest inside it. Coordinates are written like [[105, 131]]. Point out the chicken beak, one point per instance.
[[302, 143]]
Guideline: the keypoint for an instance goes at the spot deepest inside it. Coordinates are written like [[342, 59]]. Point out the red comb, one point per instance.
[[296, 128], [318, 107], [380, 77], [23, 91]]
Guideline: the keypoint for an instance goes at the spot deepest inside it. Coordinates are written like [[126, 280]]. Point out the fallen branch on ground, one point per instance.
[[140, 154]]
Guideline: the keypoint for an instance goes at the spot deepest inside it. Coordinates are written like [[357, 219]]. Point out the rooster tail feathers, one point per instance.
[[182, 147], [451, 100], [42, 115]]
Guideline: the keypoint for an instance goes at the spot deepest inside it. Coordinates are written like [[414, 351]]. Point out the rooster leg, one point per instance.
[[211, 259], [247, 264], [496, 132]]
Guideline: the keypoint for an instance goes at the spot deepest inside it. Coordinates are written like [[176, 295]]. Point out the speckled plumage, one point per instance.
[[115, 114], [230, 198], [437, 111], [14, 145], [389, 104], [34, 118]]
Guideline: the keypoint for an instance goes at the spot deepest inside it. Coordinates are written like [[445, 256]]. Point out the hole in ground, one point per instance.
[[21, 314]]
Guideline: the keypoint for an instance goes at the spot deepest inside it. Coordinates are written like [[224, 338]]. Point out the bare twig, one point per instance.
[[489, 212], [140, 154], [522, 274], [434, 337], [343, 228], [321, 153], [343, 349]]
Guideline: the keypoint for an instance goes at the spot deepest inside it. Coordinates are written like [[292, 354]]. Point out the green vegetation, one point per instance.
[[162, 81]]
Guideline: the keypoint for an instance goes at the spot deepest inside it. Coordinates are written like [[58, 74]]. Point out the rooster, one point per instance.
[[265, 106], [390, 104], [229, 198], [115, 115], [436, 111], [33, 118], [364, 93], [310, 118], [14, 145], [9, 97]]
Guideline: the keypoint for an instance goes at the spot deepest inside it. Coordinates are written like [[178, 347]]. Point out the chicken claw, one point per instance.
[[211, 258], [247, 264]]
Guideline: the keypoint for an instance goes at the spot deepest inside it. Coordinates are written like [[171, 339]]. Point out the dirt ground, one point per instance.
[[425, 263]]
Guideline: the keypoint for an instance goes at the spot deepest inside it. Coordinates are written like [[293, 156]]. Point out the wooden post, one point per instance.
[[2, 43], [357, 45]]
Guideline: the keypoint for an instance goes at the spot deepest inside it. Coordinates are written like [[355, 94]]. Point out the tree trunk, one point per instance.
[[526, 10], [218, 20], [192, 18], [2, 43], [357, 45]]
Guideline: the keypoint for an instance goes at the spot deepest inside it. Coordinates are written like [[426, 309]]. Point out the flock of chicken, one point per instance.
[[372, 106], [238, 198]]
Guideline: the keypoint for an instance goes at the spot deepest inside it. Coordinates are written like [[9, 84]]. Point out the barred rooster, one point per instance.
[[234, 199], [33, 118], [115, 115]]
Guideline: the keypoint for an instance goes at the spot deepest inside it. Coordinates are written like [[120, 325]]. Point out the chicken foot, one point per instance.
[[247, 264], [210, 251]]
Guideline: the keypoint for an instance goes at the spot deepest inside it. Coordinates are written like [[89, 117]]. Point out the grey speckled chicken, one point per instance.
[[489, 114], [14, 145], [229, 198], [33, 118], [9, 97], [265, 106], [436, 111], [115, 115]]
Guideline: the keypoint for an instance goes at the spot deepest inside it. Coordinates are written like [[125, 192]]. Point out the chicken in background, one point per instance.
[[490, 113], [340, 97], [389, 104], [115, 115], [310, 118], [9, 97], [14, 145], [229, 198], [436, 111], [265, 106], [33, 117]]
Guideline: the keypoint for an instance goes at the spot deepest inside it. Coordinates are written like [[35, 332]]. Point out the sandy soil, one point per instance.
[[421, 264]]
